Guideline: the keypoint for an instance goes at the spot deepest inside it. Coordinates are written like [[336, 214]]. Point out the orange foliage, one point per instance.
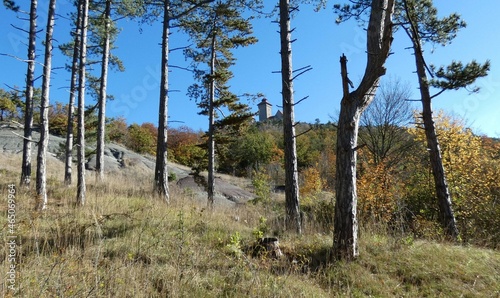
[[312, 183], [183, 145], [116, 130], [378, 192]]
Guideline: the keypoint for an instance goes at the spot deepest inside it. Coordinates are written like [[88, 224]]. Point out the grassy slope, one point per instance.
[[125, 244]]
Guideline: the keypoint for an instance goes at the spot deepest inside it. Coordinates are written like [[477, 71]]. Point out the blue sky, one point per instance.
[[320, 42]]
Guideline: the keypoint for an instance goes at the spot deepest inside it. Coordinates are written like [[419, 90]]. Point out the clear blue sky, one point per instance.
[[320, 42]]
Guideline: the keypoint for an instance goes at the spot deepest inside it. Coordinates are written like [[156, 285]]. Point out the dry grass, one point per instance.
[[124, 243]]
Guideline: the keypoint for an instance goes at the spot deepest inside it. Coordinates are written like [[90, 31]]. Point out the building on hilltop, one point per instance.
[[265, 112]]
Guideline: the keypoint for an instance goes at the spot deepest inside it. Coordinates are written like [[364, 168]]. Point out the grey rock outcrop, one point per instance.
[[117, 158]]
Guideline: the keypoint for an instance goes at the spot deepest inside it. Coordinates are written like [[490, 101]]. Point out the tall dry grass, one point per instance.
[[126, 243]]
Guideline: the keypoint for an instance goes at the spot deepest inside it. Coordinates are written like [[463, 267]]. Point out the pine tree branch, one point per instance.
[[25, 138], [302, 99], [439, 93], [180, 48], [183, 68], [187, 11], [415, 37], [20, 29], [302, 72], [304, 132]]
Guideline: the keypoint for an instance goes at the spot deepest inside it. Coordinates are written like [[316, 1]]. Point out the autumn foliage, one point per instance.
[[396, 190], [183, 145], [402, 194]]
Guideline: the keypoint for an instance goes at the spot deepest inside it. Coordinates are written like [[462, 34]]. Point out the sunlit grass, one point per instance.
[[125, 243]]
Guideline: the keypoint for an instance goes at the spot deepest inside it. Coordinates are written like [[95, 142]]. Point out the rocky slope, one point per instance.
[[118, 158]]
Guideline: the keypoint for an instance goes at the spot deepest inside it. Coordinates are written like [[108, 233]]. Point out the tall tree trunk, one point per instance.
[[28, 109], [68, 165], [161, 171], [211, 129], [379, 38], [41, 167], [446, 216], [346, 223], [293, 221], [81, 187], [102, 95]]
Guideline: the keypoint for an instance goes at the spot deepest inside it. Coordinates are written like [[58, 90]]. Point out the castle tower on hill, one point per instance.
[[265, 111]]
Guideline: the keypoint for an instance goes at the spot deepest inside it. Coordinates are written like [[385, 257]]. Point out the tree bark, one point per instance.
[[41, 169], [345, 220], [379, 38], [293, 221], [446, 215], [161, 171], [81, 187], [28, 109], [102, 96], [211, 129], [68, 165]]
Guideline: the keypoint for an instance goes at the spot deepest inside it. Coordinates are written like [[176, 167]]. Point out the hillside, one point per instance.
[[117, 159], [124, 243]]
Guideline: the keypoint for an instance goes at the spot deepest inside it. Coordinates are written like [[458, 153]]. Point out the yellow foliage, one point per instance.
[[312, 183], [471, 173]]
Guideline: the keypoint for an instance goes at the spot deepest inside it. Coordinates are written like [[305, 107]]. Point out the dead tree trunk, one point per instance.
[[161, 171], [102, 95], [293, 221], [346, 224], [41, 167], [28, 109], [81, 187], [379, 38]]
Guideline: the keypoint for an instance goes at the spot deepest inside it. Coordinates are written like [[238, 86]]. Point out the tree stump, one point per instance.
[[269, 246]]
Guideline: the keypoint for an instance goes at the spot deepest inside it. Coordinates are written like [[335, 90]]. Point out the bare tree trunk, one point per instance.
[[28, 109], [293, 221], [346, 223], [68, 166], [211, 130], [446, 216], [41, 167], [379, 38], [102, 96], [161, 171], [81, 187]]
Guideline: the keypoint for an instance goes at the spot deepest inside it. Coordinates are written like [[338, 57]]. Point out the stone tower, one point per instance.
[[264, 110]]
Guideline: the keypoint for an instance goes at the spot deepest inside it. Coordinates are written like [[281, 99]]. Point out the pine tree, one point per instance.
[[379, 39], [293, 221], [172, 11], [161, 171], [28, 107], [101, 38], [101, 102], [103, 34], [41, 172], [421, 23], [83, 8], [217, 29], [68, 160]]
